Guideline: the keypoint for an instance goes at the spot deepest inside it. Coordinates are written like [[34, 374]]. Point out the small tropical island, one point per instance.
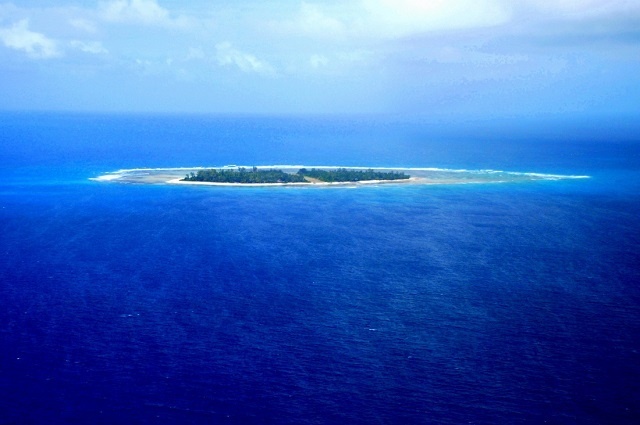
[[319, 176], [303, 175]]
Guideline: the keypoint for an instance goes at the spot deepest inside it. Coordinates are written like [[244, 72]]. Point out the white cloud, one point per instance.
[[93, 47], [195, 53], [375, 19], [83, 25], [404, 17], [318, 61], [312, 17], [146, 12], [36, 45], [227, 55], [312, 21]]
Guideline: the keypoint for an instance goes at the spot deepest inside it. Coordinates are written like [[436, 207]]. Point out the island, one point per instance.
[[320, 176], [303, 175]]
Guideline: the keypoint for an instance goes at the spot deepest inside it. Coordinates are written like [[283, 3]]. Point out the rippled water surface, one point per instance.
[[125, 303]]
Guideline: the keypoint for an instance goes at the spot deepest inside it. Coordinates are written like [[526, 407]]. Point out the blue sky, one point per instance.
[[438, 57]]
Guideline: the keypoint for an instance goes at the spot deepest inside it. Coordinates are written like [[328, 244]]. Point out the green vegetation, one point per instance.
[[254, 175], [346, 175], [242, 175]]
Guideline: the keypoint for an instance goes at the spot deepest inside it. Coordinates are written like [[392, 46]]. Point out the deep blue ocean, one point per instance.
[[513, 303]]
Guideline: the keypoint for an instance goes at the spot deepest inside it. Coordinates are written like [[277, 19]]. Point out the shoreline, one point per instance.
[[299, 184]]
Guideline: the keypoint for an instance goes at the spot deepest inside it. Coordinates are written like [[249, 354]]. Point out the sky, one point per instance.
[[436, 57]]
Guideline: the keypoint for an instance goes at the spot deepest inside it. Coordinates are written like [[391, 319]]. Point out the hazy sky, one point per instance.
[[509, 57]]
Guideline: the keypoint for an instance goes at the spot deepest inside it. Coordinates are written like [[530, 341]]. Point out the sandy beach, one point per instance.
[[413, 180]]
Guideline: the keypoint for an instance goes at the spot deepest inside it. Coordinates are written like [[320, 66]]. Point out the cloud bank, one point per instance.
[[363, 54]]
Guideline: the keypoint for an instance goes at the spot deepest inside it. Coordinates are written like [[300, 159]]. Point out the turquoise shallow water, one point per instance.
[[503, 303]]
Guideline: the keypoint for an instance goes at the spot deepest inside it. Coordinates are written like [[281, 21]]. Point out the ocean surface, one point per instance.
[[515, 303]]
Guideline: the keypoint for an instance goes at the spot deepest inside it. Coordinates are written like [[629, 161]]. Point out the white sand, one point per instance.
[[363, 182]]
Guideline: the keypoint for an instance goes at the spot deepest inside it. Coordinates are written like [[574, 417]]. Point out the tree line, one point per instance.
[[243, 175], [255, 175], [346, 175]]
